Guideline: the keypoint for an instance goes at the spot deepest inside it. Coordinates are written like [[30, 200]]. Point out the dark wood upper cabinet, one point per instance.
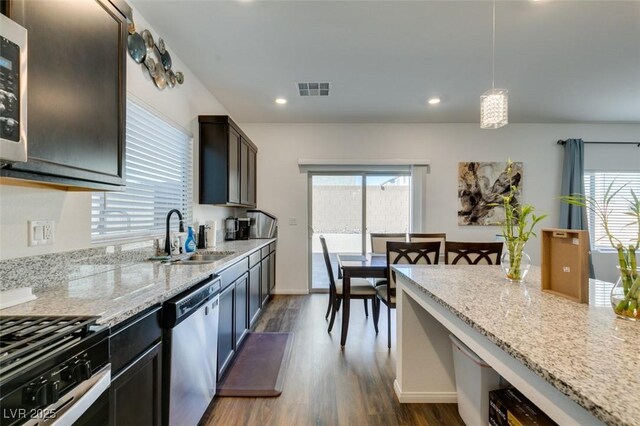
[[77, 92], [234, 166], [228, 162], [251, 176]]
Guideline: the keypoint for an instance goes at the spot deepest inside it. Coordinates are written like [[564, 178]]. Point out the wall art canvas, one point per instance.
[[481, 184]]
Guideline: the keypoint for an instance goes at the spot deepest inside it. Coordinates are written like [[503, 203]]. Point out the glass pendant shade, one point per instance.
[[494, 109]]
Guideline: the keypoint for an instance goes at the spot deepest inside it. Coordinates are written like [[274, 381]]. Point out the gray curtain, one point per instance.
[[573, 217]]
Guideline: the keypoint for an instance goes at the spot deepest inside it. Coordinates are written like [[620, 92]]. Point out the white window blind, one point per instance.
[[158, 175], [596, 184]]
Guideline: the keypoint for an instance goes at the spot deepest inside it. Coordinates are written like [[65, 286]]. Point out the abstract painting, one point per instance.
[[480, 186]]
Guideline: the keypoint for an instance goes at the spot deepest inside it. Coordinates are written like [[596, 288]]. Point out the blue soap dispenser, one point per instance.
[[190, 242]]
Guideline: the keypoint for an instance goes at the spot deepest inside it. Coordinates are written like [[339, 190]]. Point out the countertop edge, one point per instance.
[[116, 319], [110, 317]]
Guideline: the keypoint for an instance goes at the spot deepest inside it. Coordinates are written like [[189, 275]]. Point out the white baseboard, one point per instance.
[[291, 291], [424, 397]]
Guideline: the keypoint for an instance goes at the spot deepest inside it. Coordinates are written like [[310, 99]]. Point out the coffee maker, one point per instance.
[[231, 226], [244, 224]]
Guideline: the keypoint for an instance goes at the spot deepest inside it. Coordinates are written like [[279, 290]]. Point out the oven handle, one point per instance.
[[77, 401], [97, 384]]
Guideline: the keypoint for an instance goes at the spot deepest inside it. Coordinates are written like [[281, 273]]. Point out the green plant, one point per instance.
[[517, 227], [627, 254]]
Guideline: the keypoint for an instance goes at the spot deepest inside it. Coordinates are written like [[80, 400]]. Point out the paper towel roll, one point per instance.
[[212, 234]]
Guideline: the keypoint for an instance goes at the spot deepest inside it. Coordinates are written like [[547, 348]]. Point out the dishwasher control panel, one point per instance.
[[181, 306]]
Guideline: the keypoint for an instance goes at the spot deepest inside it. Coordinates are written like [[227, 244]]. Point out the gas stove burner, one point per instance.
[[48, 364], [26, 340]]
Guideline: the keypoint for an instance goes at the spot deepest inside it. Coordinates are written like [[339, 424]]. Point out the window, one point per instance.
[[596, 184], [158, 178]]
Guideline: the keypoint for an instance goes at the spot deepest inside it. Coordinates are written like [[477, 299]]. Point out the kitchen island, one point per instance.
[[578, 363]]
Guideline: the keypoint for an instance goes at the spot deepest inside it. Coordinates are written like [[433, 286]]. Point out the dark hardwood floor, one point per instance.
[[325, 385]]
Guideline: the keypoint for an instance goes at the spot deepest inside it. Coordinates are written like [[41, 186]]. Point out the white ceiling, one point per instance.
[[562, 61]]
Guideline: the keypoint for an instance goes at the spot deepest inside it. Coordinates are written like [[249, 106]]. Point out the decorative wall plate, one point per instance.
[[154, 57]]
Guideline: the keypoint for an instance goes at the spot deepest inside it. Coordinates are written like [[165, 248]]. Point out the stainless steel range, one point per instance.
[[53, 370]]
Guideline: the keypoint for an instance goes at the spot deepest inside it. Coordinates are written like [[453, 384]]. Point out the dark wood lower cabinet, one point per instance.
[[241, 305], [264, 281], [254, 294], [226, 342], [272, 272], [135, 393]]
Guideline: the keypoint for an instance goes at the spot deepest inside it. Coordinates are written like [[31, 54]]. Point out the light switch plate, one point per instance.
[[41, 232]]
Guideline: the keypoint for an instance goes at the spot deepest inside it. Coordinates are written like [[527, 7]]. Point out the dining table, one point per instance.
[[350, 265]]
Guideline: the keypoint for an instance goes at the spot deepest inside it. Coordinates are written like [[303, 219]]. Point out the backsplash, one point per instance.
[[45, 270]]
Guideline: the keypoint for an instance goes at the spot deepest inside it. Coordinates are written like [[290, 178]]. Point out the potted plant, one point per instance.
[[625, 295], [517, 229]]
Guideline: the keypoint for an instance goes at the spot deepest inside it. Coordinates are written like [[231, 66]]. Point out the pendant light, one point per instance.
[[494, 103]]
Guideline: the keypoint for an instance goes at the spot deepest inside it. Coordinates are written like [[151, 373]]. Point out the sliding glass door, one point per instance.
[[339, 207]]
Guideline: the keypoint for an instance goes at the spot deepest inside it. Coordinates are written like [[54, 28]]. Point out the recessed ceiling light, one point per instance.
[[434, 101], [281, 101]]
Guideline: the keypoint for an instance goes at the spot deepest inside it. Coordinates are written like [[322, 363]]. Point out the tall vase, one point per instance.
[[625, 295], [515, 262]]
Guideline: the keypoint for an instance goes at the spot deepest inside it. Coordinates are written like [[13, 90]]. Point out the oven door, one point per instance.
[[86, 404]]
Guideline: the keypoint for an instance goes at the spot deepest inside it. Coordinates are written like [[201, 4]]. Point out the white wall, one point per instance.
[[282, 188], [71, 211]]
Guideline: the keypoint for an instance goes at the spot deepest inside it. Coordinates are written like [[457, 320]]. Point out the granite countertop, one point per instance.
[[125, 290], [584, 351]]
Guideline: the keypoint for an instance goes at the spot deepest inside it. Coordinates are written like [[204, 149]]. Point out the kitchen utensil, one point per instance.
[[179, 77], [171, 78], [160, 78], [136, 47]]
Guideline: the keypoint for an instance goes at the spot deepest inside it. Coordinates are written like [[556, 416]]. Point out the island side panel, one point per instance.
[[424, 361], [549, 399]]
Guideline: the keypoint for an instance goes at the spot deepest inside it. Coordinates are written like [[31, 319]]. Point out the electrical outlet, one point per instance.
[[41, 232]]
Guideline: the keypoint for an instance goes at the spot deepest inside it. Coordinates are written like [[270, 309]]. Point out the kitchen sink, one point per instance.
[[206, 257], [197, 258]]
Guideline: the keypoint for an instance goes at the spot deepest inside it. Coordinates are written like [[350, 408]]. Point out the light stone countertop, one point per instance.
[[126, 290], [585, 351]]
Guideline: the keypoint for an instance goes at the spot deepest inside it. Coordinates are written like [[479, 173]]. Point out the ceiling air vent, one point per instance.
[[313, 89]]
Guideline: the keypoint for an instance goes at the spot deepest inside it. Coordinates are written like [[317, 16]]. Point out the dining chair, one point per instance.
[[428, 238], [402, 253], [472, 253], [379, 241], [360, 289]]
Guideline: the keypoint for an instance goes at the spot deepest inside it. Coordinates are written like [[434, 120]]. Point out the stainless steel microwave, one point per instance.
[[13, 91]]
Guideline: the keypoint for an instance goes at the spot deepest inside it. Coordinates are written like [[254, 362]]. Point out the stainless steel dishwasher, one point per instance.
[[190, 352]]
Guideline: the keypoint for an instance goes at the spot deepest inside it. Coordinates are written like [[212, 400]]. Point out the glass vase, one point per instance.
[[517, 268], [625, 295]]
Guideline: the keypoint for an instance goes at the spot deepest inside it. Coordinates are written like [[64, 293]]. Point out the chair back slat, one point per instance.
[[472, 253], [428, 238], [410, 253], [327, 261], [379, 241]]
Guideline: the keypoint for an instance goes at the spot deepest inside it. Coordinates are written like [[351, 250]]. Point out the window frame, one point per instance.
[[602, 245]]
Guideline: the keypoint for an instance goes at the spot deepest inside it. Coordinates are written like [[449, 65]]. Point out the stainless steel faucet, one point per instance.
[[167, 238]]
